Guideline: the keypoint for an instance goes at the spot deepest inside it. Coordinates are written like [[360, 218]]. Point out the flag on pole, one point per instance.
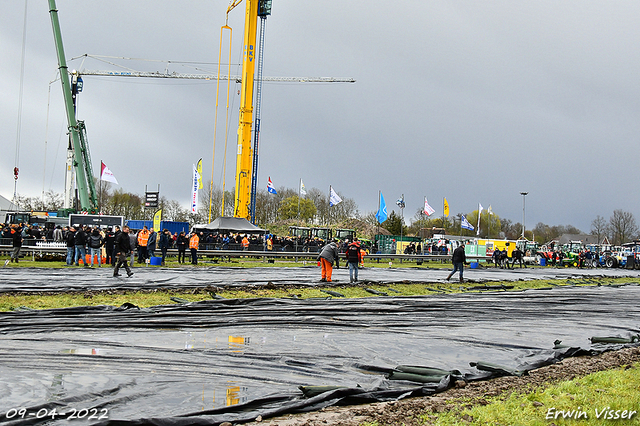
[[428, 210], [464, 223], [303, 190], [194, 193], [270, 187], [446, 208], [489, 210], [381, 216], [199, 167], [106, 175], [334, 198], [480, 208], [400, 202], [157, 217]]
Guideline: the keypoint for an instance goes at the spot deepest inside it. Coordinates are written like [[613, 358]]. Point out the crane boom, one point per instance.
[[84, 176], [236, 78]]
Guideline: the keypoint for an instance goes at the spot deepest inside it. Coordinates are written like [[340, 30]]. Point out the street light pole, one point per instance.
[[523, 205]]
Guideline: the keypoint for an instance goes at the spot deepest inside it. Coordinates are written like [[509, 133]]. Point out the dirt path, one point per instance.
[[406, 412]]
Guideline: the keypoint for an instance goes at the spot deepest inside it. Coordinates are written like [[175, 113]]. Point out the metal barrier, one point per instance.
[[43, 248]]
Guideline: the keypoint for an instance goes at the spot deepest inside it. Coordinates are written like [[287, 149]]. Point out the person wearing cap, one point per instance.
[[328, 255], [354, 256]]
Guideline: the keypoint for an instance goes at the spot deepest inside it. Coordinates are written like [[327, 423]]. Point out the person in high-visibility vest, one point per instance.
[[194, 242], [245, 243], [143, 240]]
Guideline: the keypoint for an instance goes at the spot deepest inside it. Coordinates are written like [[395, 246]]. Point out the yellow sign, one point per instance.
[[199, 168], [446, 208], [156, 220]]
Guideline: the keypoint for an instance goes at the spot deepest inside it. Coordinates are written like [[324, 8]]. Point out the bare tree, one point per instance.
[[599, 228], [622, 226]]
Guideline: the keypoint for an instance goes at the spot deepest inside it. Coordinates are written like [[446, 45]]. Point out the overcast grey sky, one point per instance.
[[472, 101]]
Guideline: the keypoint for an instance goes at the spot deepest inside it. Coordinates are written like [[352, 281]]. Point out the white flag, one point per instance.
[[334, 198], [194, 194], [489, 210], [303, 190], [428, 210], [480, 208], [106, 175]]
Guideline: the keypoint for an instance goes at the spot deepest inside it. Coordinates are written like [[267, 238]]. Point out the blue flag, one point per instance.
[[381, 216], [464, 223]]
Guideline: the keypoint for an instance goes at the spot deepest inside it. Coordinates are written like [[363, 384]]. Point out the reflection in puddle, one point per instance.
[[238, 343], [82, 351]]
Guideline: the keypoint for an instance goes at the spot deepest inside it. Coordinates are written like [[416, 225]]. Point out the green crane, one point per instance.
[[77, 130]]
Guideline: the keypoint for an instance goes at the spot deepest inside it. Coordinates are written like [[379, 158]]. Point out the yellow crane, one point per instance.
[[244, 158]]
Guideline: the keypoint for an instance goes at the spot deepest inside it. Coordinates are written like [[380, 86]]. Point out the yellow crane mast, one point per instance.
[[244, 158]]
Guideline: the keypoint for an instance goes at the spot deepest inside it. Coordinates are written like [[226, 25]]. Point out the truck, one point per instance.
[[93, 220], [345, 234], [43, 219], [324, 234]]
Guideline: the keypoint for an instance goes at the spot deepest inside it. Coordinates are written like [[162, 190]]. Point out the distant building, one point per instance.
[[584, 238], [6, 204]]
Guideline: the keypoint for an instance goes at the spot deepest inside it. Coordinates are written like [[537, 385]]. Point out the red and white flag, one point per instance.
[[428, 210], [106, 175]]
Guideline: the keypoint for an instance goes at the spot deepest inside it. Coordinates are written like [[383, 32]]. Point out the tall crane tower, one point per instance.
[[77, 130], [244, 158]]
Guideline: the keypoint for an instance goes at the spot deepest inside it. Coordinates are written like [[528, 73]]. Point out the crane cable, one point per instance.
[[20, 96], [215, 125]]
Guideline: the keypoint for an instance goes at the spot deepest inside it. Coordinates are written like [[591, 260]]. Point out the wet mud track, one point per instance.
[[96, 279]]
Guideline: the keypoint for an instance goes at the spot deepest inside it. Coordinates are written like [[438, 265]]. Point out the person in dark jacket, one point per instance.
[[16, 242], [71, 245], [328, 255], [458, 259], [123, 249], [109, 243], [354, 257], [152, 243], [81, 243], [164, 243], [517, 256], [181, 243], [95, 245]]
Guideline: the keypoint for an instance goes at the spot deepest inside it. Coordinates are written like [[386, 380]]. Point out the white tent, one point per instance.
[[238, 225]]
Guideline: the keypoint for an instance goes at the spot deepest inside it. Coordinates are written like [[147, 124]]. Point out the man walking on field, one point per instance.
[[459, 259]]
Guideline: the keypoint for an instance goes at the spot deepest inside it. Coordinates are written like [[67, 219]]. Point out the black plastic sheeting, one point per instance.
[[233, 360], [82, 279]]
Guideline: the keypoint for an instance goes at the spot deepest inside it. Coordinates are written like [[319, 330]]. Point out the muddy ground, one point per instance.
[[408, 411]]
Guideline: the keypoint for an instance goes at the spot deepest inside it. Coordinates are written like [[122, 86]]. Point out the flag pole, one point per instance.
[[401, 220], [299, 186], [329, 208], [377, 221]]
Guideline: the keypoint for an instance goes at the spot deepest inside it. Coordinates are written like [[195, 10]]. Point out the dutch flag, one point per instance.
[[270, 187]]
